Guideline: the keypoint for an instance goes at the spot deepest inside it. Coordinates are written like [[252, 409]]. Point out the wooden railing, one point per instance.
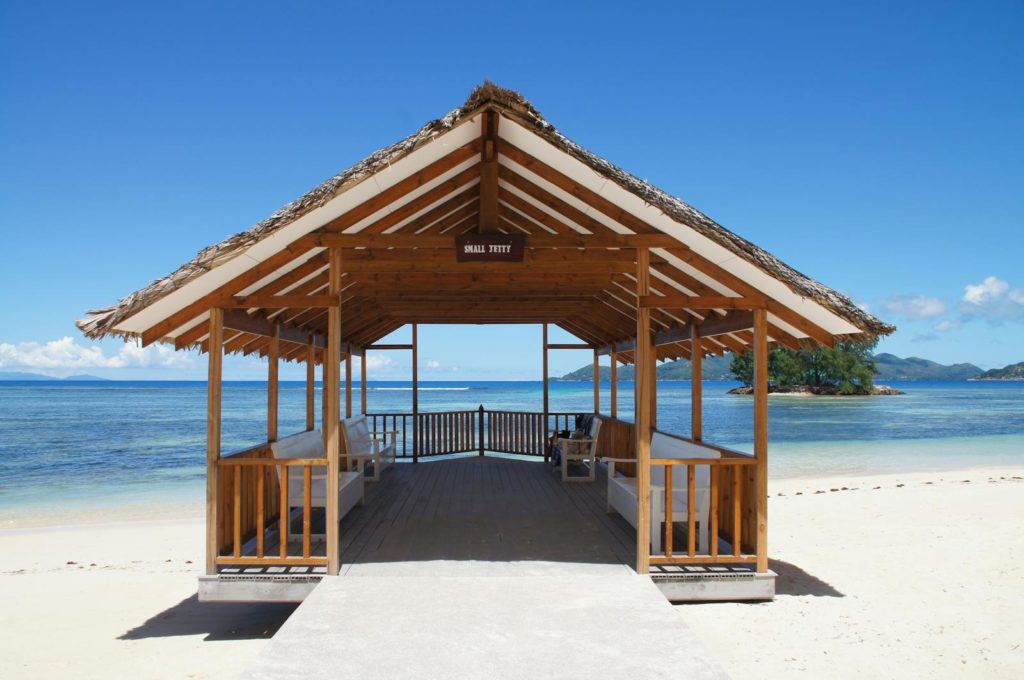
[[732, 489], [252, 489], [439, 434], [450, 432], [728, 476]]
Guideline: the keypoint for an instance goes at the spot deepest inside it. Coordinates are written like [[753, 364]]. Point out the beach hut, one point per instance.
[[487, 215]]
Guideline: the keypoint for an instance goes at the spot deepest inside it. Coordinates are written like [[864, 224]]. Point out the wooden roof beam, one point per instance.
[[402, 239], [732, 322], [698, 302], [489, 171]]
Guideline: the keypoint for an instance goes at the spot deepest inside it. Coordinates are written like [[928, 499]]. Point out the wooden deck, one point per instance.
[[482, 514]]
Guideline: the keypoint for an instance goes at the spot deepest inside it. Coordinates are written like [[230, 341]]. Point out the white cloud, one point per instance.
[[433, 365], [1017, 296], [915, 306], [864, 307], [66, 353], [378, 361], [946, 325], [990, 289]]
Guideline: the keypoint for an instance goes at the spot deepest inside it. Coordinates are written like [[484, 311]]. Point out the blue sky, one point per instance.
[[877, 147]]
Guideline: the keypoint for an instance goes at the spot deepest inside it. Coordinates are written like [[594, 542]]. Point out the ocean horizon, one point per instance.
[[82, 449]]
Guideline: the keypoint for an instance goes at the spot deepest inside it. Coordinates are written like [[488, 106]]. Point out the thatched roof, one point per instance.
[[850, 322]]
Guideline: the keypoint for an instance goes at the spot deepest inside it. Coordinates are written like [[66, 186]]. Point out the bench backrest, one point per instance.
[[309, 444], [664, 446], [357, 434]]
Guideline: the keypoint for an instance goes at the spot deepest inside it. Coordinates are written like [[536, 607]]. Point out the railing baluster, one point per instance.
[[285, 512], [737, 515], [260, 475], [713, 529], [238, 512], [306, 510], [691, 510], [668, 511]]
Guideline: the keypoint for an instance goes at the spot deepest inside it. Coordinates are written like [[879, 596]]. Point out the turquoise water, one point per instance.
[[108, 443]]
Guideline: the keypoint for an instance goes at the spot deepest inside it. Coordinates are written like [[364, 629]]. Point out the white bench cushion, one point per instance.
[[311, 445], [303, 445], [663, 446]]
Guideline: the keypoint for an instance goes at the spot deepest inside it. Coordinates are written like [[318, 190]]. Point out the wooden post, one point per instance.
[[761, 433], [362, 381], [332, 412], [696, 386], [348, 381], [544, 338], [213, 402], [273, 364], [597, 384], [654, 388], [644, 354], [310, 386], [480, 429], [615, 384], [415, 394]]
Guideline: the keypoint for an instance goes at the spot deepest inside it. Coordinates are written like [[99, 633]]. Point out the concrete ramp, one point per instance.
[[489, 627]]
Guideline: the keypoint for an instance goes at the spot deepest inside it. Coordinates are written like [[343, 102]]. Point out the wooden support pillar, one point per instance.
[[696, 386], [597, 384], [615, 384], [362, 382], [415, 393], [332, 411], [544, 380], [213, 404], [310, 386], [273, 364], [348, 381], [761, 433], [644, 355]]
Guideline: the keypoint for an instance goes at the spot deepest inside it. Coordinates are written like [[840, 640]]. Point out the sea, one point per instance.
[[84, 450]]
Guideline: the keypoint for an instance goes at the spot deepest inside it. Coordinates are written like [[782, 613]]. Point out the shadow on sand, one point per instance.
[[792, 580], [215, 620]]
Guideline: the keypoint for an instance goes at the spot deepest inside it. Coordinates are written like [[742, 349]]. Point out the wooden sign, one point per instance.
[[489, 247]]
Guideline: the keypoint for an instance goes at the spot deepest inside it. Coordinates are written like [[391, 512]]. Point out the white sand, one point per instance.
[[917, 581]]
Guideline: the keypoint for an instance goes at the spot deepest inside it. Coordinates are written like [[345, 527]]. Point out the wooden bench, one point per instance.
[[364, 448], [622, 493], [582, 450], [310, 444]]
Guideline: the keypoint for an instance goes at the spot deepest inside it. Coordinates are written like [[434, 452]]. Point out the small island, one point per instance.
[[819, 391]]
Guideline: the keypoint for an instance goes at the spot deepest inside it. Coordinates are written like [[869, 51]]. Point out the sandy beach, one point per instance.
[[899, 576]]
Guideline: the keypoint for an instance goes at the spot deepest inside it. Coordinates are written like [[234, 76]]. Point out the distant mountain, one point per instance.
[[714, 368], [892, 367], [1011, 372], [86, 377], [8, 376], [17, 375]]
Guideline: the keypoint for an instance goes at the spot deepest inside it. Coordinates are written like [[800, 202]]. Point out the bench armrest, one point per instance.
[[612, 459]]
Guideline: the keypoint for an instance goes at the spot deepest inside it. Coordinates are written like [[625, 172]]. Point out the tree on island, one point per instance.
[[848, 368]]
